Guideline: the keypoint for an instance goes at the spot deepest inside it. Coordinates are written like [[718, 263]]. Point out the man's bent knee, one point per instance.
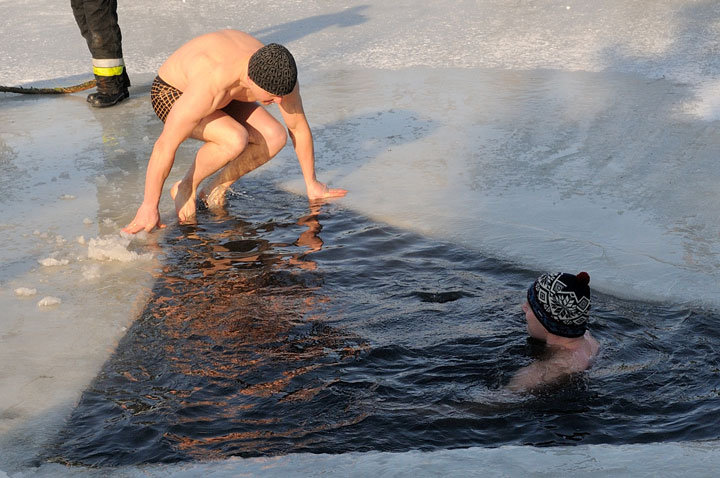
[[276, 139], [235, 142]]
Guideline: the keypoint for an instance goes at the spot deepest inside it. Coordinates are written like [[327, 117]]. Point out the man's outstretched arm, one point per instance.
[[301, 136], [185, 115]]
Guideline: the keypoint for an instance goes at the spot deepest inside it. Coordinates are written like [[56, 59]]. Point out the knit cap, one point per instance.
[[273, 69], [561, 302]]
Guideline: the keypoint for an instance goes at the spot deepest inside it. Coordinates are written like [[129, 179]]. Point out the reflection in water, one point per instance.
[[254, 327], [235, 329]]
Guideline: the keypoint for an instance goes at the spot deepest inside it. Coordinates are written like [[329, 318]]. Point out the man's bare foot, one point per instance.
[[215, 199], [184, 202]]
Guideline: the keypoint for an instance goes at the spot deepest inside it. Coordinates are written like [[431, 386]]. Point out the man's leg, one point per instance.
[[266, 137], [254, 156], [225, 139]]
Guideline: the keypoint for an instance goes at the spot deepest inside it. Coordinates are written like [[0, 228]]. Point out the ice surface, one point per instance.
[[548, 136], [49, 301], [690, 460], [114, 248], [25, 291], [548, 170], [51, 261]]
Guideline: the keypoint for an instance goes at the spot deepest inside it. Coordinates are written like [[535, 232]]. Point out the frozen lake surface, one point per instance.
[[542, 135]]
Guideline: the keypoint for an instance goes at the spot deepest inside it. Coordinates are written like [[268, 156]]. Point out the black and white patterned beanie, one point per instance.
[[273, 69], [561, 302]]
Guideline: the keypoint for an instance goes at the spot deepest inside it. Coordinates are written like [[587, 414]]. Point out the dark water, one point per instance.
[[282, 328]]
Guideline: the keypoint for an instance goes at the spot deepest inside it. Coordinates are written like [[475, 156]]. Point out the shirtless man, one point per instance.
[[213, 89], [556, 311]]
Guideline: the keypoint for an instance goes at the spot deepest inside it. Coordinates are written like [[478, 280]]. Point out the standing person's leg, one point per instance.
[[78, 9], [98, 23]]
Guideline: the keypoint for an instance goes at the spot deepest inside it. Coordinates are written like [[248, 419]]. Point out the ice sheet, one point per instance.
[[604, 172], [691, 460]]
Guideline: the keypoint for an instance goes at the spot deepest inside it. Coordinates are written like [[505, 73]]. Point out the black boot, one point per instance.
[[125, 79], [110, 90]]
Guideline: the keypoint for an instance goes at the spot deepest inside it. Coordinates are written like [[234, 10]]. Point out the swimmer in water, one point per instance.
[[557, 311], [214, 89]]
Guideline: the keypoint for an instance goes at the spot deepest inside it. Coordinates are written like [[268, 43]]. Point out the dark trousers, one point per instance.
[[98, 22]]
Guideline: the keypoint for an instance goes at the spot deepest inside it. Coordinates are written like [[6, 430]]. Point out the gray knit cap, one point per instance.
[[273, 69]]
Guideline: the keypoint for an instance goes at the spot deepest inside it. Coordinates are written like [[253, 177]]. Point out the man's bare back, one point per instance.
[[222, 57]]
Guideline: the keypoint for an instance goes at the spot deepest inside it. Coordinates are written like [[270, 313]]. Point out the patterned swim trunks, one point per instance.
[[162, 97]]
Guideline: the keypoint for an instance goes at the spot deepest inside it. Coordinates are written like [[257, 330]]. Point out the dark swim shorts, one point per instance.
[[162, 97]]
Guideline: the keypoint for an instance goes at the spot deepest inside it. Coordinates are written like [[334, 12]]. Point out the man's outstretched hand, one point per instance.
[[318, 190], [146, 219]]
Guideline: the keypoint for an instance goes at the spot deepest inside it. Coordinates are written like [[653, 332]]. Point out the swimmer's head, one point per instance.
[[273, 69], [561, 302]]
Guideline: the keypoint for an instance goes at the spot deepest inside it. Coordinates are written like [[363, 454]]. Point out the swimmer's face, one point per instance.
[[534, 327], [269, 99]]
